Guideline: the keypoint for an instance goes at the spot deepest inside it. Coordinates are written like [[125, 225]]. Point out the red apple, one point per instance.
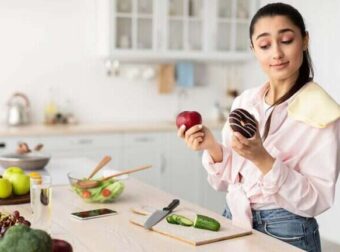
[[188, 118], [61, 246]]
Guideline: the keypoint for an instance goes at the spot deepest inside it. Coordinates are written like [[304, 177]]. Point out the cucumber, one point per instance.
[[205, 222], [184, 221], [171, 220], [179, 220]]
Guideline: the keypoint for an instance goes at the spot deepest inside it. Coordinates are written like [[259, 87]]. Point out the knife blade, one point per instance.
[[158, 215]]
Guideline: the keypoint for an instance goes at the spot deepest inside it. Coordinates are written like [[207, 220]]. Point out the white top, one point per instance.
[[267, 109]]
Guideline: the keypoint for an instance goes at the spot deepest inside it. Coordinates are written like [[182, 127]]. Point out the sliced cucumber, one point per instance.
[[184, 221], [205, 222], [179, 220], [170, 219]]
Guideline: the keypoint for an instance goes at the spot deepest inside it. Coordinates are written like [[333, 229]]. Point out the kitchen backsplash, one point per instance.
[[86, 91]]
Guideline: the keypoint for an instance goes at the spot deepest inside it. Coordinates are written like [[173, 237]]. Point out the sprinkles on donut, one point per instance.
[[240, 120]]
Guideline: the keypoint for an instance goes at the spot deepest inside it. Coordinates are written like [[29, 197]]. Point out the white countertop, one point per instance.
[[116, 233], [119, 127]]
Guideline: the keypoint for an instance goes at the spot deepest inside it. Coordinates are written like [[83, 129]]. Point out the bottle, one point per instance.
[[50, 110]]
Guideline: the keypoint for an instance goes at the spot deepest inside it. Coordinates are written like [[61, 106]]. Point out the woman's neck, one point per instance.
[[277, 89]]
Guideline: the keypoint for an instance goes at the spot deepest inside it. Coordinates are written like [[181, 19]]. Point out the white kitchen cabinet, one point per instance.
[[143, 149], [174, 29], [90, 146], [211, 199], [230, 26], [184, 170], [127, 27], [187, 176], [10, 144], [94, 147], [183, 22]]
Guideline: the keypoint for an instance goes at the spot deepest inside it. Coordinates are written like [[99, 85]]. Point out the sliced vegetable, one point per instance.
[[205, 222], [179, 219], [106, 192], [184, 221], [86, 194], [171, 220]]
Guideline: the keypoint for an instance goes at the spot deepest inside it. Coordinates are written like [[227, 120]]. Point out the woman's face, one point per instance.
[[278, 45]]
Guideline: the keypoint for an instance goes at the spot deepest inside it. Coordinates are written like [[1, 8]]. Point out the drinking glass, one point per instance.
[[41, 202]]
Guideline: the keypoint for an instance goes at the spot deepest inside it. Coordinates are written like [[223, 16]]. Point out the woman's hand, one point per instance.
[[253, 150], [200, 138]]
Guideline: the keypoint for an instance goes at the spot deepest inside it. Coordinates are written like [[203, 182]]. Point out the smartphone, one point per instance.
[[95, 213]]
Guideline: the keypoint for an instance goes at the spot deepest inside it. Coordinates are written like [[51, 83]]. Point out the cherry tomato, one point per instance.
[[106, 192], [86, 194]]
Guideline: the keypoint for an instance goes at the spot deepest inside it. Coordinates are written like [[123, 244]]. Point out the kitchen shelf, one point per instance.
[[142, 56]]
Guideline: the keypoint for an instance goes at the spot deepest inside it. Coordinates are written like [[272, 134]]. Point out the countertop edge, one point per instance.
[[100, 128]]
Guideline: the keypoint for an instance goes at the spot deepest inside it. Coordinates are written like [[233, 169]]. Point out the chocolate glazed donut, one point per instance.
[[240, 120]]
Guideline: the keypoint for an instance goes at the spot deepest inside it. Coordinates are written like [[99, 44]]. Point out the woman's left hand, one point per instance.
[[253, 150]]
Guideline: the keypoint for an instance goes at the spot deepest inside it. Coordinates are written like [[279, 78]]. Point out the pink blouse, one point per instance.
[[303, 177]]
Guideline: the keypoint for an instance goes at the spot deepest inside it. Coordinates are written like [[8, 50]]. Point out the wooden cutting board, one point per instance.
[[193, 235], [13, 200]]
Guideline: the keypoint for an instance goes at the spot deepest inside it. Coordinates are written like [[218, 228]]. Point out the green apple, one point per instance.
[[5, 188], [12, 170], [20, 183]]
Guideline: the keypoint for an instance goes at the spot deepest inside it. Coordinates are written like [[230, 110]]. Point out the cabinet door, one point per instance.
[[184, 170], [10, 144], [143, 149], [134, 24], [174, 29], [90, 146], [231, 25], [183, 25], [213, 200]]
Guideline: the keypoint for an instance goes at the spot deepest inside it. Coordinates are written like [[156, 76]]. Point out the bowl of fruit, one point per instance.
[[14, 186], [95, 190]]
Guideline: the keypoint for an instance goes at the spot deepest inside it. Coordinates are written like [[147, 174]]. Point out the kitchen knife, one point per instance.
[[158, 215]]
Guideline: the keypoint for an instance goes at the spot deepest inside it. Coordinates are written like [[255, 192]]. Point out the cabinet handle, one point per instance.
[[144, 139], [85, 141], [163, 164], [2, 145]]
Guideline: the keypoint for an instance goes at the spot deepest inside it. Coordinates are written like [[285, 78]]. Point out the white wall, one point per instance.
[[322, 22]]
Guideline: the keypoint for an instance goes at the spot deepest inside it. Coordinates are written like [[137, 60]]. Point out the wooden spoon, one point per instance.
[[85, 184], [100, 165]]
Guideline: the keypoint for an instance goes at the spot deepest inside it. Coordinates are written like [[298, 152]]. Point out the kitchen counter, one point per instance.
[[119, 127], [116, 233]]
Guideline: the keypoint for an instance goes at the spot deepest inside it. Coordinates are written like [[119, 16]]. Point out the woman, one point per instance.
[[282, 177]]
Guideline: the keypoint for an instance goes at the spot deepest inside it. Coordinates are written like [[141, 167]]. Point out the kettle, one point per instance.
[[18, 110]]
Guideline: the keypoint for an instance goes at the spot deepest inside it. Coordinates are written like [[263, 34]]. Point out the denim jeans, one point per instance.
[[296, 230]]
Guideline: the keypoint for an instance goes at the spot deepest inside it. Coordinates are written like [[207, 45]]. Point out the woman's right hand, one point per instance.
[[197, 138], [200, 138]]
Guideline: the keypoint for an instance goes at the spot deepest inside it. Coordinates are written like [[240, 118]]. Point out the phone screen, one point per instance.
[[93, 213]]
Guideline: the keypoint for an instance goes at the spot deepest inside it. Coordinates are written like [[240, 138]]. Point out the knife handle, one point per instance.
[[172, 205]]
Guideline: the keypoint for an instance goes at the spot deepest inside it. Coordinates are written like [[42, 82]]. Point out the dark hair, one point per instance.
[[306, 72]]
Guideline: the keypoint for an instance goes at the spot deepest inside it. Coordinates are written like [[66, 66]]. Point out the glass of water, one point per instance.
[[41, 202]]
